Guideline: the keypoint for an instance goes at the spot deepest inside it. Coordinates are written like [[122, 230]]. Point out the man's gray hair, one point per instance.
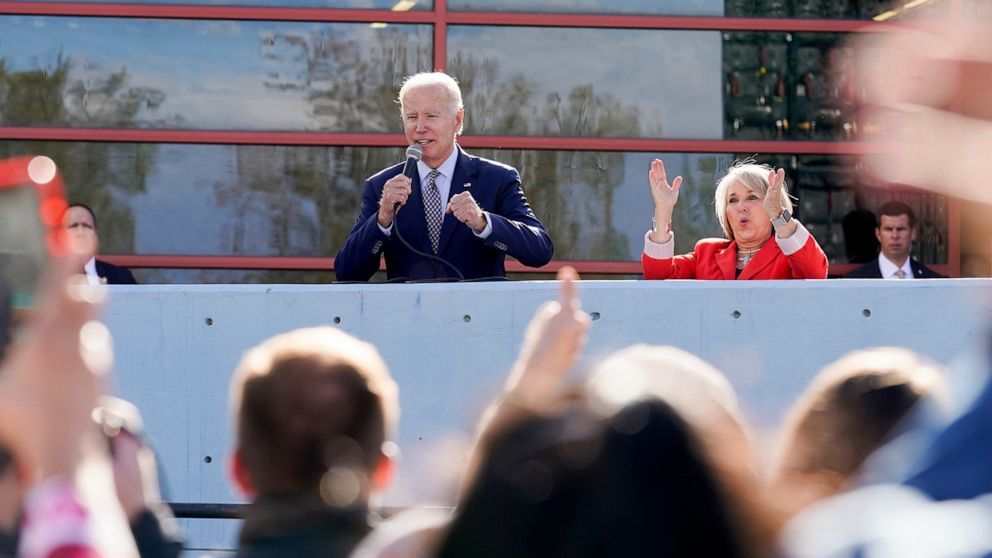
[[449, 83]]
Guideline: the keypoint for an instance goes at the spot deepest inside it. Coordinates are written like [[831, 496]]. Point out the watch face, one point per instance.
[[783, 218]]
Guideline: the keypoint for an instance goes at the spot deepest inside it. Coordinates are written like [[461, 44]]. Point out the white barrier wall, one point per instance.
[[449, 346]]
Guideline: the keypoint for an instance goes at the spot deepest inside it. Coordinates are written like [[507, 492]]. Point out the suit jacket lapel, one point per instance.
[[876, 269], [464, 173], [727, 260], [761, 260]]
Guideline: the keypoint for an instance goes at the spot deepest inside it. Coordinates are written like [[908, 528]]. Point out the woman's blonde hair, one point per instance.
[[755, 178], [851, 408]]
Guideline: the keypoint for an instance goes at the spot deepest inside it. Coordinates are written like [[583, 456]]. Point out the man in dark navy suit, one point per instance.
[[79, 223], [470, 211], [896, 231]]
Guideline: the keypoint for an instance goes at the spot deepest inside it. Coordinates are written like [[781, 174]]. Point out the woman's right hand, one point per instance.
[[665, 195]]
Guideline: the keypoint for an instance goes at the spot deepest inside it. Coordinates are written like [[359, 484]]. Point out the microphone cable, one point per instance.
[[396, 229]]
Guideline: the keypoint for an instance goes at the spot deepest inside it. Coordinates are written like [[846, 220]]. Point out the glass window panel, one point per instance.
[[216, 199], [302, 201], [830, 9], [905, 10], [235, 75], [812, 9], [398, 5], [588, 82], [597, 205], [788, 86], [634, 7]]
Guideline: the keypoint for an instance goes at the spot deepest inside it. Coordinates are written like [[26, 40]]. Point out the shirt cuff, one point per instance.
[[385, 231], [665, 251], [486, 231], [792, 244], [54, 520]]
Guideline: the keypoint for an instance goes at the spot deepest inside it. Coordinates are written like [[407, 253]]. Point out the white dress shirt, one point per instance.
[[91, 277], [889, 269], [443, 182]]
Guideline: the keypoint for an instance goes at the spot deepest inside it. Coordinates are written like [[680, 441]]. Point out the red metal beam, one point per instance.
[[440, 15], [469, 141], [161, 11], [220, 262], [440, 35], [659, 22], [670, 145], [200, 136], [327, 264]]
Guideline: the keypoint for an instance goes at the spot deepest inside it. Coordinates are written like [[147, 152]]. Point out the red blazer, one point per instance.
[[716, 258]]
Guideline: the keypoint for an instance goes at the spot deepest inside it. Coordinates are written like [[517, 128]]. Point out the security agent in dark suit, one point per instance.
[[79, 223], [896, 231], [470, 211]]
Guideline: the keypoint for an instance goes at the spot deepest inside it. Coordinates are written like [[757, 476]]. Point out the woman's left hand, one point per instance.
[[773, 197]]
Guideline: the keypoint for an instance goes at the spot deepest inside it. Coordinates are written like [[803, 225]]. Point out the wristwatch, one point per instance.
[[782, 219], [654, 226]]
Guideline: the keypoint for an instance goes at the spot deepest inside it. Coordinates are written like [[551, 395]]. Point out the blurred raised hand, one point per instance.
[[928, 88], [552, 342], [50, 380]]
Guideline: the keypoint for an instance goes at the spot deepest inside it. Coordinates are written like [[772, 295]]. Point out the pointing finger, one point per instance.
[[568, 289]]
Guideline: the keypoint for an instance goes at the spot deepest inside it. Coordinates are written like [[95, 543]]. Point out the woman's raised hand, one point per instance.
[[665, 195], [773, 196], [774, 206]]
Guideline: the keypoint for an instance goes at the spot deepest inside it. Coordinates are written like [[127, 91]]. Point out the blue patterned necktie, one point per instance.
[[432, 209]]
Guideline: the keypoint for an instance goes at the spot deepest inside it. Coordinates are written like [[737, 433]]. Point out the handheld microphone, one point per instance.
[[414, 153]]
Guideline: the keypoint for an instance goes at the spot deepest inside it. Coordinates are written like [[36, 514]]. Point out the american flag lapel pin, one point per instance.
[[467, 185]]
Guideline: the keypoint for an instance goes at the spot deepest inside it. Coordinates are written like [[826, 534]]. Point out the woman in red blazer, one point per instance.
[[752, 206]]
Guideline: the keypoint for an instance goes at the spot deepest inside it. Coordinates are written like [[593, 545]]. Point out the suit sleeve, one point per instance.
[[516, 230], [806, 258], [359, 258], [659, 261]]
